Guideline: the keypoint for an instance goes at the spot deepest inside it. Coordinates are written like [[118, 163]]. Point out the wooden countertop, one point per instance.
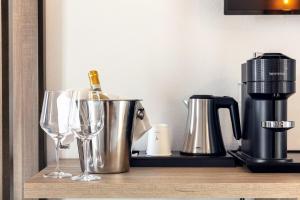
[[166, 182]]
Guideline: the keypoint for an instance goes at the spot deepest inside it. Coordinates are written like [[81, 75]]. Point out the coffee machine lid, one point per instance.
[[272, 56], [269, 67]]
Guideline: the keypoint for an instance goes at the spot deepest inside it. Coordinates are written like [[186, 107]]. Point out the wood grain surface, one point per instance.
[[166, 183], [1, 179], [24, 86]]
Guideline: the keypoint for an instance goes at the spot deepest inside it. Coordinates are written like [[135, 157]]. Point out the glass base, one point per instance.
[[84, 177], [59, 174]]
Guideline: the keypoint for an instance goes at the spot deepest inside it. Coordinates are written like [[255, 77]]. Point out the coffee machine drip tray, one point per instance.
[[290, 165]]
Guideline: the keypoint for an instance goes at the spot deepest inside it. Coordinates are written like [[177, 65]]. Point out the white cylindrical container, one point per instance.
[[159, 141]]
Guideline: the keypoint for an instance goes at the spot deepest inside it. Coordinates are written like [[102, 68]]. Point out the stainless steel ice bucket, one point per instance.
[[125, 121]]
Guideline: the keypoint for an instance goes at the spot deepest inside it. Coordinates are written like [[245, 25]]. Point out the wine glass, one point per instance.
[[55, 122], [86, 121]]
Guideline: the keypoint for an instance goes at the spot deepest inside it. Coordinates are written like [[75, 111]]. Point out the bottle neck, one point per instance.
[[96, 87], [95, 84], [94, 81]]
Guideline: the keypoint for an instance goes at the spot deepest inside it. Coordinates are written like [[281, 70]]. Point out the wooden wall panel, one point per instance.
[[5, 108], [1, 107], [21, 85], [24, 84]]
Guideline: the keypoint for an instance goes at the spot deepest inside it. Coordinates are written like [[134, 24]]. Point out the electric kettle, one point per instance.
[[203, 135]]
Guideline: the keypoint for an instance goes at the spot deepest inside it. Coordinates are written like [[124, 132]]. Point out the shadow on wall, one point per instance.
[[55, 55], [293, 115]]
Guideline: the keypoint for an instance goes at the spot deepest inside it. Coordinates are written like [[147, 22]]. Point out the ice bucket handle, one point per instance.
[[142, 124], [140, 113]]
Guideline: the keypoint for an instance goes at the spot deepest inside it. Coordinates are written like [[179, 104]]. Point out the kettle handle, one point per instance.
[[232, 105]]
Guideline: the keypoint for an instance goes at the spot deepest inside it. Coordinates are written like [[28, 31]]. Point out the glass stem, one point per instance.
[[57, 148], [86, 163]]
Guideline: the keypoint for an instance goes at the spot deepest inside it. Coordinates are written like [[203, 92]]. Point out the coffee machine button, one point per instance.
[[278, 124]]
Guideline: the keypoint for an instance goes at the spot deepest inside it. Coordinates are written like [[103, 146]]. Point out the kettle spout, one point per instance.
[[186, 103]]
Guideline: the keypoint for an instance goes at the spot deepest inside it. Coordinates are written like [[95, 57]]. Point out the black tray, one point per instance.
[[140, 159], [268, 166]]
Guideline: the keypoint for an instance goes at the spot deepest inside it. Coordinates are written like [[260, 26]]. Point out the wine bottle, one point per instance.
[[95, 83]]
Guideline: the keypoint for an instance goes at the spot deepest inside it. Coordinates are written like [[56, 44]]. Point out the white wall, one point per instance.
[[162, 51]]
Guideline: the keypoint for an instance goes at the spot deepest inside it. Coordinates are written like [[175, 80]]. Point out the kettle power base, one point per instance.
[[269, 166], [140, 159]]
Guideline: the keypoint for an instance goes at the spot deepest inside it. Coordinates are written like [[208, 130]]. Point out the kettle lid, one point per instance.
[[202, 97]]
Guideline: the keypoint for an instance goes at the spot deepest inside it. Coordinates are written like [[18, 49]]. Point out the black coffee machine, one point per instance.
[[267, 82]]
